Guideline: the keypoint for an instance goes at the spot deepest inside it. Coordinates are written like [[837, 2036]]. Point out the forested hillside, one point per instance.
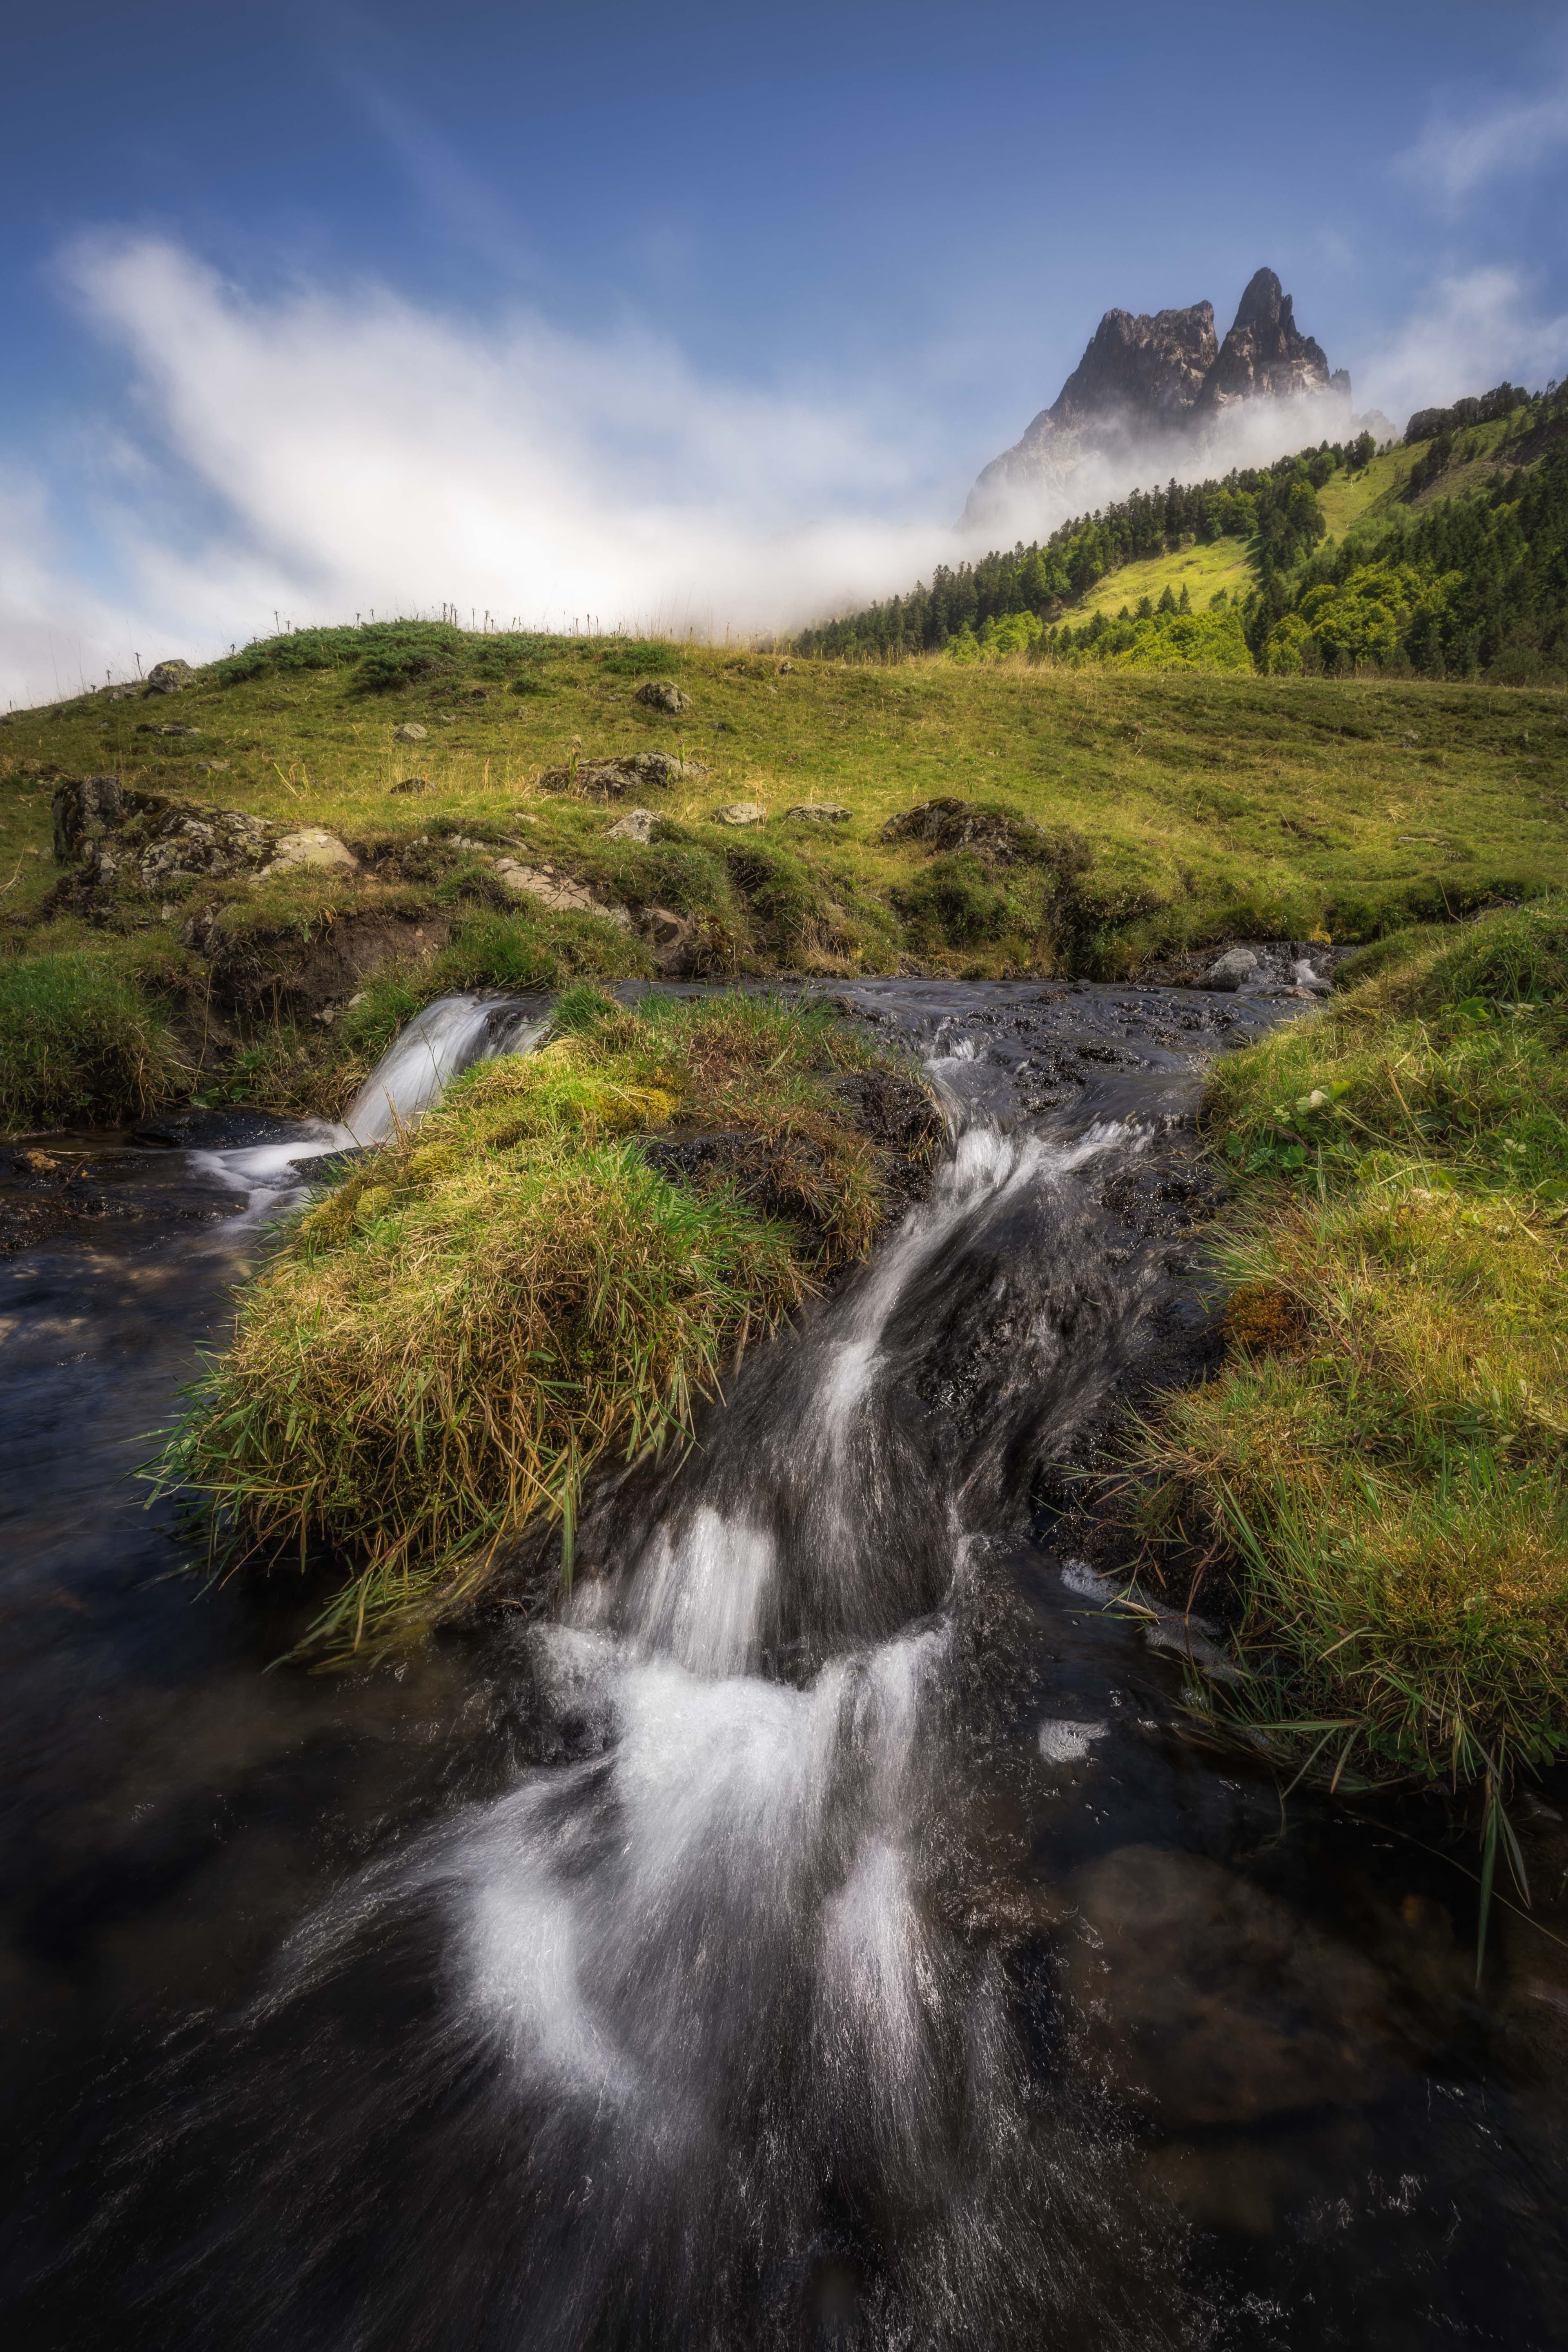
[[1447, 558]]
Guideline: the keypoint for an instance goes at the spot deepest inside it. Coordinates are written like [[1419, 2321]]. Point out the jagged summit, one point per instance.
[[1147, 392], [1143, 368], [1264, 355]]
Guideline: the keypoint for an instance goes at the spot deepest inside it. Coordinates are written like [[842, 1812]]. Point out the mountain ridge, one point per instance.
[[1149, 389]]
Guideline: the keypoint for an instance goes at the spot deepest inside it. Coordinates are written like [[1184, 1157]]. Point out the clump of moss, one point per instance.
[[1381, 1460], [441, 1350]]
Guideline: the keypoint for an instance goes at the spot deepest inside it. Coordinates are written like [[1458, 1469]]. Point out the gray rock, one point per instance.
[[555, 891], [83, 811], [741, 813], [609, 779], [413, 784], [658, 694], [637, 824], [410, 732], [820, 813], [169, 676], [1229, 970], [309, 846], [1304, 976]]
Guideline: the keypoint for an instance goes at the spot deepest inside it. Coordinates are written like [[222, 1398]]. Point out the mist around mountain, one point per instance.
[[1162, 395], [1444, 556]]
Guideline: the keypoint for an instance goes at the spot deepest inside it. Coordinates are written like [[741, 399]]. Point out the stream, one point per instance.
[[821, 1928]]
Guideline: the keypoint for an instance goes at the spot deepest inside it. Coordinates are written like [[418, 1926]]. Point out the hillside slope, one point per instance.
[[1175, 810]]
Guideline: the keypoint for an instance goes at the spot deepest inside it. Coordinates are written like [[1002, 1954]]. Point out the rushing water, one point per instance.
[[818, 1930]]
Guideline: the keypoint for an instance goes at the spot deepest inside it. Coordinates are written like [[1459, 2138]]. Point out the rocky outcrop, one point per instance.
[[658, 694], [1146, 371], [1140, 402], [1265, 356], [556, 891], [113, 833], [996, 834], [611, 779]]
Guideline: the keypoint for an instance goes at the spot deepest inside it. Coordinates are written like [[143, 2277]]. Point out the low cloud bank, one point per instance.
[[322, 454]]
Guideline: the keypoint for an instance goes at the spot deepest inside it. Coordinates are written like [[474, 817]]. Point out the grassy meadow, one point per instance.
[[1211, 806]]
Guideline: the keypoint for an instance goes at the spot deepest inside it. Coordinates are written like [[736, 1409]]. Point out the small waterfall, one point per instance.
[[410, 1078], [430, 1050]]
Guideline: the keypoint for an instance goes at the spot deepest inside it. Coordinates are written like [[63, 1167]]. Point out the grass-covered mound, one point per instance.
[[85, 1037], [441, 1350], [1381, 1461]]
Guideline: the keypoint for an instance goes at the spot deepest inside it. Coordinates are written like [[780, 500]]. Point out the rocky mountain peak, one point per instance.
[[1140, 368], [1147, 390], [1264, 353]]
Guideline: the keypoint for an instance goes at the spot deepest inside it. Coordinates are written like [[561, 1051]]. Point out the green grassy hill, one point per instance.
[[1178, 810]]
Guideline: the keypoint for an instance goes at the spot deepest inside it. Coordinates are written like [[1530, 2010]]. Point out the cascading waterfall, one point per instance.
[[429, 1051], [687, 2054]]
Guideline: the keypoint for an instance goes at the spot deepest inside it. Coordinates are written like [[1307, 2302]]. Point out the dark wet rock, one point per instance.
[[328, 1168], [610, 778], [87, 808], [169, 676], [659, 694], [1199, 1992], [215, 1130], [996, 834]]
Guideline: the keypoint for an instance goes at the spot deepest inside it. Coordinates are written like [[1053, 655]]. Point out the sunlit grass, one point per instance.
[[1381, 1461]]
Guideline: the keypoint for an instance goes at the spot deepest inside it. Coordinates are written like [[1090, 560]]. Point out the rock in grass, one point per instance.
[[609, 779], [997, 835], [1230, 970], [819, 812], [410, 732], [413, 784], [741, 813], [637, 824], [169, 676], [658, 694], [309, 846], [555, 891]]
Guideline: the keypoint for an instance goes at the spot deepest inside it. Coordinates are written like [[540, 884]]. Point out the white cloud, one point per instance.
[[321, 454], [1452, 159], [1478, 328]]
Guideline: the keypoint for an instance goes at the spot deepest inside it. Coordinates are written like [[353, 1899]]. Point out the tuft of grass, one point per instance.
[[1380, 1465], [82, 1039], [441, 1351]]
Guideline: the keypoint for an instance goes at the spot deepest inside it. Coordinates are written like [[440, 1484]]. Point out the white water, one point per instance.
[[431, 1049], [410, 1078]]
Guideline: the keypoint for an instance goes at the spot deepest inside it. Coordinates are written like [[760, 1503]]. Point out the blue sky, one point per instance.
[[682, 314]]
